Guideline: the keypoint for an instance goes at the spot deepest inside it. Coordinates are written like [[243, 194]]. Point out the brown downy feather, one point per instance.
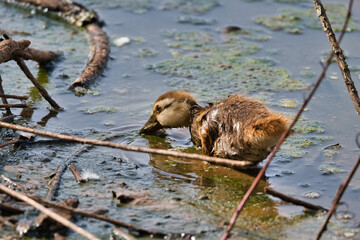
[[265, 132]]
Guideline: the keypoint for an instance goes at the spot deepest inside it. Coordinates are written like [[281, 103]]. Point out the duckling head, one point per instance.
[[171, 110]]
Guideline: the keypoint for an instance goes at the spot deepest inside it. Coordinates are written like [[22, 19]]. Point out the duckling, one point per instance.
[[238, 127]]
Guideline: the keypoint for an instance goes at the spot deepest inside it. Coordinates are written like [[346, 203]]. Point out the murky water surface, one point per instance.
[[180, 45]]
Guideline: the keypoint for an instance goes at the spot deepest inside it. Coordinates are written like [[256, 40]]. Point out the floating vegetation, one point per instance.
[[217, 68], [279, 1], [331, 168], [295, 20], [190, 6], [307, 74], [289, 103], [99, 109], [145, 52], [306, 126], [195, 20], [135, 6], [312, 194]]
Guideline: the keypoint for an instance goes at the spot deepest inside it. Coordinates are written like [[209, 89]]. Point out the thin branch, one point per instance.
[[47, 211], [340, 58], [193, 156], [14, 97], [281, 140], [4, 100], [337, 198], [293, 200], [20, 105], [42, 90]]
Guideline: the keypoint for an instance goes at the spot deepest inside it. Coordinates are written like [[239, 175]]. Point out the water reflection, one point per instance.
[[214, 191]]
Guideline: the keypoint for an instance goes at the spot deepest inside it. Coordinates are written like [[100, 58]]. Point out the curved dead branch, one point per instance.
[[98, 57], [80, 16]]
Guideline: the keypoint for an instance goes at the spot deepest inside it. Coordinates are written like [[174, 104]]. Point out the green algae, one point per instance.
[[211, 67], [331, 168], [306, 126], [190, 6], [307, 74], [99, 110], [145, 52], [135, 6], [289, 103], [143, 6], [295, 20], [280, 1]]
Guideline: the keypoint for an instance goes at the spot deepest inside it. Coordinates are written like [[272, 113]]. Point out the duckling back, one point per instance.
[[238, 128]]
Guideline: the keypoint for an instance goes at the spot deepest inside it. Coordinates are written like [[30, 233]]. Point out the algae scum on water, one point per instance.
[[296, 20], [209, 65]]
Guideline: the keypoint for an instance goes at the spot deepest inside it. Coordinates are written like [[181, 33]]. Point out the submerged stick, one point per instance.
[[54, 183], [337, 198], [293, 200], [48, 212], [281, 139], [4, 100], [339, 55], [99, 217]]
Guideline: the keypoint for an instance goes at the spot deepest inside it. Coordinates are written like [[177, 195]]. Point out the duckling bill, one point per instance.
[[237, 128]]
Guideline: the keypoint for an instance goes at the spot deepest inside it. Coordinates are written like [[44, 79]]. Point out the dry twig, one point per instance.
[[48, 212], [214, 160]]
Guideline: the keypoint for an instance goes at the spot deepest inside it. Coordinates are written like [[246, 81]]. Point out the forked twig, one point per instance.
[[282, 138], [48, 212]]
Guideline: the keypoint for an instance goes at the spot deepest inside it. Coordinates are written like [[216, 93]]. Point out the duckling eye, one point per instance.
[[158, 109]]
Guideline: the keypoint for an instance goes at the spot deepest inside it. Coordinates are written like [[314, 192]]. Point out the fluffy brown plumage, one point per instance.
[[238, 127]]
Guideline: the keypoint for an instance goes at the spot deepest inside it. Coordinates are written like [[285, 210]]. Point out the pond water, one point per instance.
[[180, 45]]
